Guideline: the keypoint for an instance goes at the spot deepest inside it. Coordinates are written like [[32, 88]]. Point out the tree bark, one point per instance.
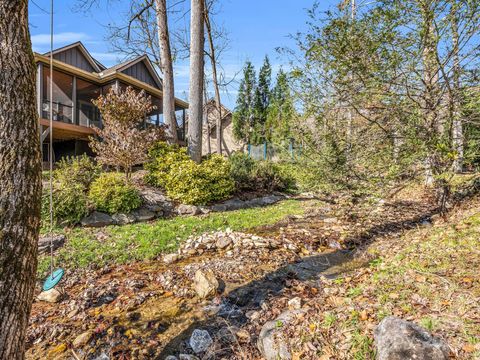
[[194, 136], [457, 126], [20, 184], [213, 60], [168, 88]]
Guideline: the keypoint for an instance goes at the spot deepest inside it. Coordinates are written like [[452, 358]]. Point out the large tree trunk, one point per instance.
[[194, 136], [457, 126], [213, 60], [20, 185], [167, 70]]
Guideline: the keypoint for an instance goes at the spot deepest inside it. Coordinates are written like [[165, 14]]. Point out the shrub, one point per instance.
[[261, 175], [69, 203], [199, 184], [161, 158], [80, 170], [241, 168], [111, 193]]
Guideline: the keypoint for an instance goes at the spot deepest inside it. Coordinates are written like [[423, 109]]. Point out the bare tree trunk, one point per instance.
[[206, 121], [168, 89], [213, 60], [194, 136], [20, 185], [457, 126]]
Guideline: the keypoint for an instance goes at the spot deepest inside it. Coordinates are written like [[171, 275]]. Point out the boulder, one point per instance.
[[143, 214], [44, 243], [97, 219], [154, 200], [271, 342], [184, 209], [205, 284], [82, 339], [200, 341], [397, 339], [51, 296], [123, 219]]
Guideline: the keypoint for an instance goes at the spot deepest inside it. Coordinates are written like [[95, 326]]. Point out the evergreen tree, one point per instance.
[[243, 116], [262, 101], [281, 111]]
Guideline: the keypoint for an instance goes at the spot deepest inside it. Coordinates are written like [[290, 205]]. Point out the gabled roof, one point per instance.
[[211, 107], [93, 62], [129, 63]]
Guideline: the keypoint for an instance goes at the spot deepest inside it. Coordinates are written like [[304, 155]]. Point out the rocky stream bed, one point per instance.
[[212, 298]]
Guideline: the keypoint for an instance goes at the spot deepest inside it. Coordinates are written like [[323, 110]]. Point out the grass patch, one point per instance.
[[146, 241]]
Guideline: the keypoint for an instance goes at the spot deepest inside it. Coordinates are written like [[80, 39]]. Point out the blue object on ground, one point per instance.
[[53, 279]]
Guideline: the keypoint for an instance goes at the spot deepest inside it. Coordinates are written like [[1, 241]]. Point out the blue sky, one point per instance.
[[255, 27]]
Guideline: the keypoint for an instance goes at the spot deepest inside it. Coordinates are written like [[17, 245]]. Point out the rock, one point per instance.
[[51, 296], [171, 357], [200, 341], [295, 303], [44, 243], [205, 284], [97, 219], [154, 200], [397, 339], [122, 219], [171, 258], [143, 214], [271, 342], [82, 339], [331, 220], [227, 335], [184, 209], [187, 357], [102, 356], [223, 242], [218, 208]]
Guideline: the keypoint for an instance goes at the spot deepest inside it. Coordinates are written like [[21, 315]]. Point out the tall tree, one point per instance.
[[197, 41], [166, 64], [212, 54], [20, 182], [243, 115], [262, 100], [281, 110]]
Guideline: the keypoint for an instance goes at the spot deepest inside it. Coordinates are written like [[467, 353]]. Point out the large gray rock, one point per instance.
[[200, 341], [44, 243], [143, 214], [154, 200], [229, 205], [397, 339], [184, 209], [123, 219], [97, 219], [205, 284], [271, 342]]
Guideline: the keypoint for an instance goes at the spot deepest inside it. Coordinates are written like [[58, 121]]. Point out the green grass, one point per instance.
[[146, 241]]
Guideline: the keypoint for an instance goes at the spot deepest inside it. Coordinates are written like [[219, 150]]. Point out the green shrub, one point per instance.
[[241, 168], [199, 184], [69, 204], [264, 175], [162, 157], [81, 170], [110, 193]]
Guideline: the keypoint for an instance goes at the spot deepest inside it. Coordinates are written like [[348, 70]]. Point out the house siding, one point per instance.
[[140, 72], [75, 58]]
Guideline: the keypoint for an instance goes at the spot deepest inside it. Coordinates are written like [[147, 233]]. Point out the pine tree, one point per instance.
[[262, 100], [243, 116], [281, 110]]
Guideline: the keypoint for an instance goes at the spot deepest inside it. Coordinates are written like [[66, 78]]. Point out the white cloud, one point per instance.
[[59, 38]]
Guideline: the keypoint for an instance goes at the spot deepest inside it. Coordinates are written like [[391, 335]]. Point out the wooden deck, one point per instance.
[[64, 131]]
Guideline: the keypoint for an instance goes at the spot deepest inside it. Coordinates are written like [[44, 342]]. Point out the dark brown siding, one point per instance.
[[75, 58], [140, 72]]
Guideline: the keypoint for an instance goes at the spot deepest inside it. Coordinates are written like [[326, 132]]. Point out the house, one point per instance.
[[77, 79], [209, 134]]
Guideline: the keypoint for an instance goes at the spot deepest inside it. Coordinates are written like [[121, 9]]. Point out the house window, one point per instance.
[[62, 100]]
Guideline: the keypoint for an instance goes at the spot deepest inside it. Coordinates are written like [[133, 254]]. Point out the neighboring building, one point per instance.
[[78, 79], [209, 134]]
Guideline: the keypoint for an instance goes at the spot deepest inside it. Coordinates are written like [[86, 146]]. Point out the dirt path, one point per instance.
[[148, 310]]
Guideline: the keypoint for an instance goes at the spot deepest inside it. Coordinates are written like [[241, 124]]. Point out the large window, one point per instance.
[[87, 113], [62, 99]]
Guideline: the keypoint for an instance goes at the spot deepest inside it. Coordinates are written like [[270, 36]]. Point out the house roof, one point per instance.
[[97, 65]]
